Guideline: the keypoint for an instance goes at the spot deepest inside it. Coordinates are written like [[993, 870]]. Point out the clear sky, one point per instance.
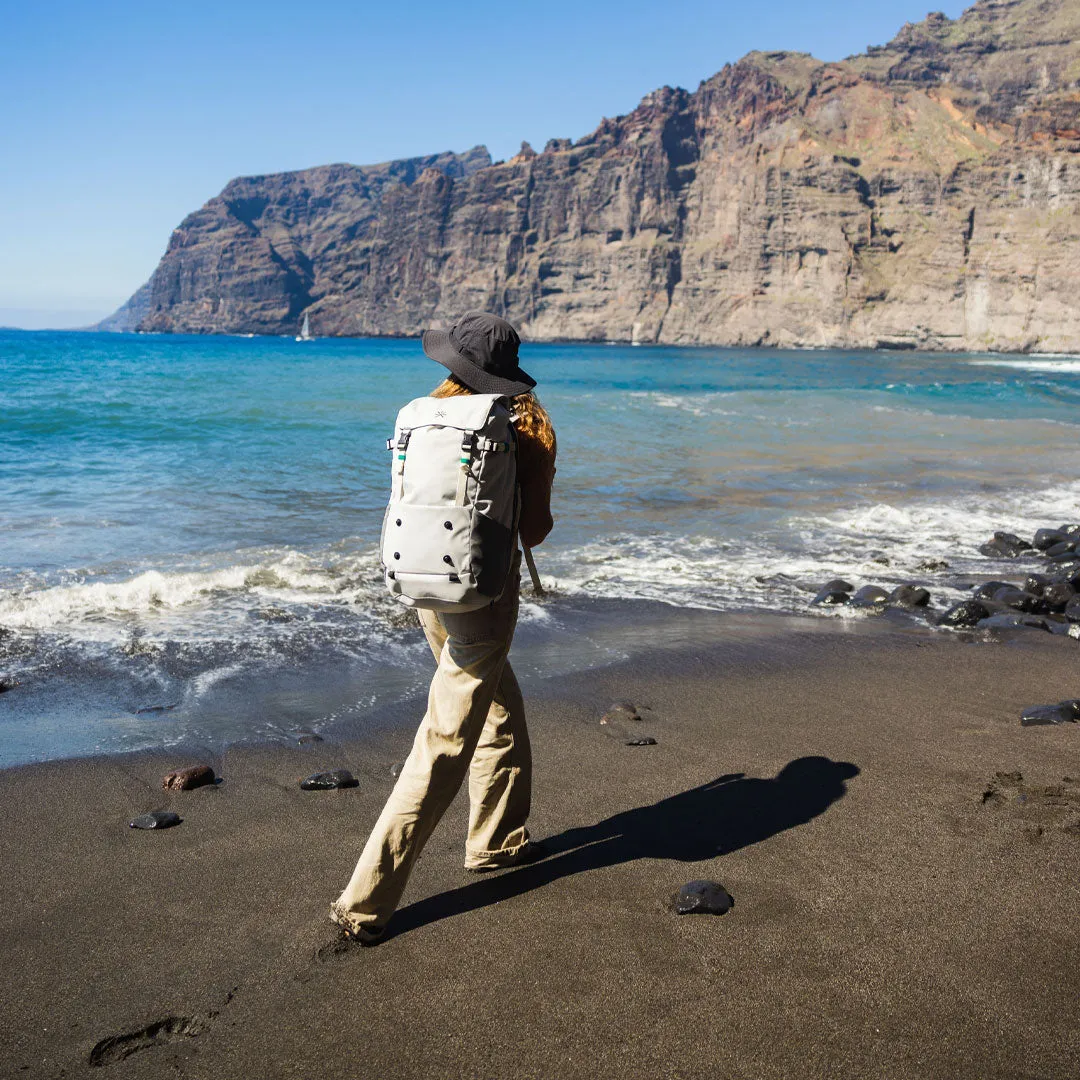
[[119, 118]]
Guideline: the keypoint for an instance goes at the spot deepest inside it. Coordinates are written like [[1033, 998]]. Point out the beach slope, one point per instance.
[[904, 858]]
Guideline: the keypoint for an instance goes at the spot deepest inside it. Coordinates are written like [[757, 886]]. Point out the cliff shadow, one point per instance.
[[731, 812]]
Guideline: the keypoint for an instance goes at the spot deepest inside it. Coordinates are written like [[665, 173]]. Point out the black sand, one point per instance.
[[898, 911]]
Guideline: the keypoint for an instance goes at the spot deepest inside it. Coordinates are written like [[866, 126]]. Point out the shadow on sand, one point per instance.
[[724, 815]]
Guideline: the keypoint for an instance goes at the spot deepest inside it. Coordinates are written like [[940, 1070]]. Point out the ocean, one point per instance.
[[188, 525]]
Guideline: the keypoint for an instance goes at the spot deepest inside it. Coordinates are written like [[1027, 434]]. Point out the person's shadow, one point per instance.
[[719, 817]]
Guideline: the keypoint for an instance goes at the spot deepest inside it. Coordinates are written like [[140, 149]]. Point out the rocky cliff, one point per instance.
[[923, 195]]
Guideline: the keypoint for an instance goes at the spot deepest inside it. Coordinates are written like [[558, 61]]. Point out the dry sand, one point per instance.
[[889, 922]]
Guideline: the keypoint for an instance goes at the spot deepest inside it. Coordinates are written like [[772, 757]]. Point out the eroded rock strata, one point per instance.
[[923, 195]]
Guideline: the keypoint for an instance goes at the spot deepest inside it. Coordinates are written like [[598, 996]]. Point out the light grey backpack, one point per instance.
[[450, 528]]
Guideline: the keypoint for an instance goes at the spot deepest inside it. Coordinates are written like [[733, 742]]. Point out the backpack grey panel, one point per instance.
[[451, 525]]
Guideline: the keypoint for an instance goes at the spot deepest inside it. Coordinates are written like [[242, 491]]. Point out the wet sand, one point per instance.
[[898, 911]]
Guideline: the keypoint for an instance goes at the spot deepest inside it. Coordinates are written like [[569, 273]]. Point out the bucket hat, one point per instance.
[[482, 351]]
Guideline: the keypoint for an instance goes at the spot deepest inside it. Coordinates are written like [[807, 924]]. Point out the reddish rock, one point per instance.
[[186, 779]]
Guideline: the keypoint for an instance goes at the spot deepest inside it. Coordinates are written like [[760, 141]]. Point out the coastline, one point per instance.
[[939, 348], [913, 918]]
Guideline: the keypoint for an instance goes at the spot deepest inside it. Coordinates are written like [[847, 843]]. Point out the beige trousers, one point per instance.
[[475, 723]]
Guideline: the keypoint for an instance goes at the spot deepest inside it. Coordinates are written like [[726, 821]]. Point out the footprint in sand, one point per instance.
[[1038, 807]]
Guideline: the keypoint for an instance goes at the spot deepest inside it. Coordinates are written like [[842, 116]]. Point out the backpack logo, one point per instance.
[[440, 414]]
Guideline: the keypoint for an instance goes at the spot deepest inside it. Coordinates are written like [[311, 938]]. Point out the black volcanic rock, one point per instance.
[[1057, 596], [870, 596], [1019, 600], [988, 588], [909, 596], [966, 613], [1004, 545], [830, 598], [1045, 538]]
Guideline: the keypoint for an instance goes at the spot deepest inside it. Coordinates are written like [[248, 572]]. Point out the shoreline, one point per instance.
[[337, 702], [878, 346], [911, 918]]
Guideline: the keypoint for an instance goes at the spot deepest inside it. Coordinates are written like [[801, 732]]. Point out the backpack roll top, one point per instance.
[[450, 527]]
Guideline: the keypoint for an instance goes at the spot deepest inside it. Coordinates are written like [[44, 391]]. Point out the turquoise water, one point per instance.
[[181, 516]]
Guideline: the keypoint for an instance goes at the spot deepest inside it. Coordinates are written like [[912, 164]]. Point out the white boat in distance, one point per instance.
[[305, 330]]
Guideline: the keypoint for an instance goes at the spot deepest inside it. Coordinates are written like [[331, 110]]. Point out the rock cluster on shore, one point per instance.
[[1045, 599]]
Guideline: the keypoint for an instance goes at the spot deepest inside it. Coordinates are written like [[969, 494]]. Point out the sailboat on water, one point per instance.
[[305, 330]]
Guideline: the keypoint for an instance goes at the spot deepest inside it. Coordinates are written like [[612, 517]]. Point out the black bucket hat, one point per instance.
[[482, 351]]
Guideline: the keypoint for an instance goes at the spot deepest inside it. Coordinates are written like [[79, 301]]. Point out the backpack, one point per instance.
[[450, 528]]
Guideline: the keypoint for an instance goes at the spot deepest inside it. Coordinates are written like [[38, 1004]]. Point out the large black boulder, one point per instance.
[[1036, 583], [1068, 575], [1045, 538], [1056, 551], [909, 596], [987, 589], [1072, 609], [1005, 545], [831, 598], [1012, 620], [966, 613], [1019, 600], [870, 596], [1057, 595], [837, 585]]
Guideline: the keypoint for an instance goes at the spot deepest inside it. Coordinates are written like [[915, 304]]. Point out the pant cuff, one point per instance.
[[478, 859]]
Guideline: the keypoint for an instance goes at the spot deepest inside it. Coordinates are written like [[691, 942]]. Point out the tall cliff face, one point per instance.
[[922, 195]]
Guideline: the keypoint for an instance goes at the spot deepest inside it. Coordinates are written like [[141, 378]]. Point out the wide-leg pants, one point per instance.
[[475, 724]]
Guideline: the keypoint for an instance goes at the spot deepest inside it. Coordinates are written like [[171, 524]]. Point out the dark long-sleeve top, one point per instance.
[[536, 472]]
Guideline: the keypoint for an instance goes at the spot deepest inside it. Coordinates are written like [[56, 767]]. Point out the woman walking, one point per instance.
[[475, 718]]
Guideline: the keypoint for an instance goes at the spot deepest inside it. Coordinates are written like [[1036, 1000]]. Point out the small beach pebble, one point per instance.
[[643, 740], [703, 898], [308, 738], [325, 781], [186, 779], [156, 819], [396, 769], [1045, 715], [7, 684]]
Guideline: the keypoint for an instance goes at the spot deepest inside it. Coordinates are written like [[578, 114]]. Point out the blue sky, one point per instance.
[[120, 118]]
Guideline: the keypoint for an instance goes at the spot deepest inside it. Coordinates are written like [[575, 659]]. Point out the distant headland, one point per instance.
[[921, 195]]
